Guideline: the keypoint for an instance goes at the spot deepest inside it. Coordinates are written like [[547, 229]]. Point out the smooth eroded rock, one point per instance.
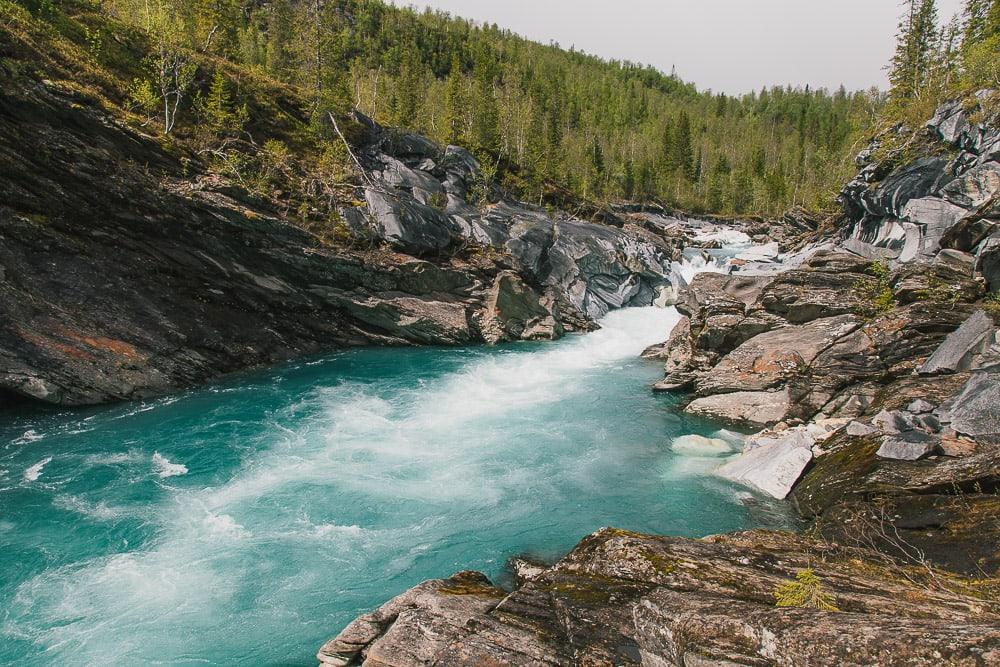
[[752, 408], [771, 468], [958, 350]]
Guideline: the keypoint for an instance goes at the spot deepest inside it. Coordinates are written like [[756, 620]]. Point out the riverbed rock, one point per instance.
[[414, 627], [773, 357], [409, 225], [973, 411], [601, 268], [514, 311], [822, 287]]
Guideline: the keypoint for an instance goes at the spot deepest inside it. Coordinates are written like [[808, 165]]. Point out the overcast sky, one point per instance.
[[726, 45]]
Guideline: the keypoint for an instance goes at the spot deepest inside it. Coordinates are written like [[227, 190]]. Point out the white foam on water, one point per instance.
[[689, 267], [99, 511], [34, 472], [28, 437], [165, 468], [114, 458], [224, 526], [437, 442], [724, 235]]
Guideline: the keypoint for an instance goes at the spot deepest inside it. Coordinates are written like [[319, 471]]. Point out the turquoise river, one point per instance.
[[247, 522]]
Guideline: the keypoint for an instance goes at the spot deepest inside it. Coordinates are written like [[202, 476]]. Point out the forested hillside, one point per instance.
[[551, 123], [940, 58]]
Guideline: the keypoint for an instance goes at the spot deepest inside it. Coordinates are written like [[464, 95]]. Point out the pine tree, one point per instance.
[[980, 49], [667, 145], [758, 162], [628, 179]]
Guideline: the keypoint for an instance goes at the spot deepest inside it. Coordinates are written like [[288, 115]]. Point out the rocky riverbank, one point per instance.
[[871, 361], [126, 273]]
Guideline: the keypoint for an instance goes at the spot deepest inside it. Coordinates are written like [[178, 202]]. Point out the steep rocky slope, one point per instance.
[[871, 364], [123, 276]]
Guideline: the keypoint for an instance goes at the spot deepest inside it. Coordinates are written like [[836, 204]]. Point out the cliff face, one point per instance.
[[121, 276], [877, 387]]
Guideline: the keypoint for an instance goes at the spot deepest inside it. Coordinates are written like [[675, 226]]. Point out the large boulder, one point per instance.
[[950, 122], [975, 187], [409, 225], [959, 349], [757, 409], [413, 628], [772, 358], [920, 178], [908, 446], [935, 217], [601, 268], [515, 311], [974, 411], [396, 174], [772, 468], [823, 286]]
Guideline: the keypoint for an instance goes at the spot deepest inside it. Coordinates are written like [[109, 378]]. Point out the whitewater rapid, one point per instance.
[[245, 523]]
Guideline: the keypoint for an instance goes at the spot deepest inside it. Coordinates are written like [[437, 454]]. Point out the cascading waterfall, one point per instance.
[[247, 522]]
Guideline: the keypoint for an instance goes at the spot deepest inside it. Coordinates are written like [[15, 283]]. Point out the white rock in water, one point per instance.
[[773, 469], [697, 445]]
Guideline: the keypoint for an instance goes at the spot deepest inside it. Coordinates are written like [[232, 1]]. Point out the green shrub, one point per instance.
[[805, 591], [874, 291], [992, 306], [438, 200]]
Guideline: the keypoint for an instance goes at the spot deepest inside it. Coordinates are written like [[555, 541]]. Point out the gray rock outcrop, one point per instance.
[[622, 598], [910, 212], [959, 349], [155, 280]]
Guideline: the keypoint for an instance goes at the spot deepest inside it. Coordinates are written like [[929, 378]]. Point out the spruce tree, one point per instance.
[[683, 153], [915, 46]]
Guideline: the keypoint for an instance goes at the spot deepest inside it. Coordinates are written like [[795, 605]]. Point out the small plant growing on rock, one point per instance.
[[805, 591], [438, 200], [991, 304], [874, 291]]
